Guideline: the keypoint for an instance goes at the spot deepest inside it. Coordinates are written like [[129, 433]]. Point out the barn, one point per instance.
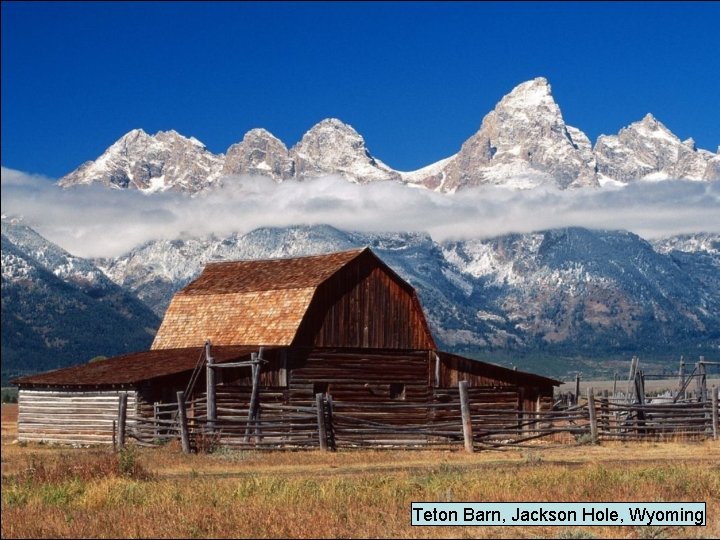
[[343, 325]]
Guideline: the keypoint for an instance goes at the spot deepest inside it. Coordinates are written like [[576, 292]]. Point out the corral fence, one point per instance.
[[457, 420]]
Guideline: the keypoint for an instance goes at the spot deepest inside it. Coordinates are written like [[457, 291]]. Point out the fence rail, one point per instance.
[[343, 424]]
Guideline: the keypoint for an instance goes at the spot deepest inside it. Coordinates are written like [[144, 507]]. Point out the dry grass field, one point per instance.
[[51, 492]]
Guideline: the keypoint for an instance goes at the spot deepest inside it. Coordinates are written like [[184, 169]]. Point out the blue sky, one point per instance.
[[414, 79]]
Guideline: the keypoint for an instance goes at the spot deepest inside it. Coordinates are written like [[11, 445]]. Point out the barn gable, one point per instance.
[[346, 299]]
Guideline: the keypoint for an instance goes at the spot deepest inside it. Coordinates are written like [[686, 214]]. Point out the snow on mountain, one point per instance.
[[562, 290], [523, 143], [260, 153], [689, 243], [647, 150], [150, 163], [565, 291], [592, 289], [332, 147], [431, 176], [54, 259], [60, 310]]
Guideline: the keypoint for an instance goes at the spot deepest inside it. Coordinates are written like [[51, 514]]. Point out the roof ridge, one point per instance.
[[271, 259]]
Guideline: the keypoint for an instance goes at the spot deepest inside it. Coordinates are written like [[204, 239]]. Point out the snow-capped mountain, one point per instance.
[[260, 153], [689, 243], [649, 150], [591, 292], [551, 293], [60, 310], [332, 147], [523, 143], [592, 289], [167, 160], [151, 163]]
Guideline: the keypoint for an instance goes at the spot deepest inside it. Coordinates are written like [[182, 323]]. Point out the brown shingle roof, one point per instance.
[[238, 302], [133, 368], [269, 274], [270, 317]]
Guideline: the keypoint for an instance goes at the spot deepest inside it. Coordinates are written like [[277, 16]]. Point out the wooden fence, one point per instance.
[[451, 419]]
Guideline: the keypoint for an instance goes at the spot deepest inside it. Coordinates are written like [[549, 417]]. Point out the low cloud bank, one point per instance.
[[94, 221]]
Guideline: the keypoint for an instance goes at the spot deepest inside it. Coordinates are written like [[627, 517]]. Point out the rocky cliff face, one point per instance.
[[523, 143], [260, 153], [166, 160], [648, 150], [332, 147]]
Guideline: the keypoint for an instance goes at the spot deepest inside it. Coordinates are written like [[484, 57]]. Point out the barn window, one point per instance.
[[397, 391], [321, 387]]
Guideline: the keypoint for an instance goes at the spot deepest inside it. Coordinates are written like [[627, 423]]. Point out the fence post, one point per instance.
[[182, 419], [122, 417], [702, 380], [322, 433], [156, 417], [114, 440], [330, 427], [593, 415], [632, 378], [466, 419], [210, 388], [252, 410], [577, 388], [715, 412], [681, 375]]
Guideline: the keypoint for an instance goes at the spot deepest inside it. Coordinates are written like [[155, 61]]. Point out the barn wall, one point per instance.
[[292, 375], [530, 393], [362, 305], [361, 383], [70, 417], [491, 407]]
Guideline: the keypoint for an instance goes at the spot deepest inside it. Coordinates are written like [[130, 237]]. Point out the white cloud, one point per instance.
[[95, 221]]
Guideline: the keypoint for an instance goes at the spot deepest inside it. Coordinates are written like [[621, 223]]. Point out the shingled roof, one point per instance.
[[240, 302], [130, 369], [269, 274]]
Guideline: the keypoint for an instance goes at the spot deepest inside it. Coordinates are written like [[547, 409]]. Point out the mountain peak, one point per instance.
[[259, 133], [132, 137], [334, 124], [530, 94], [523, 143], [166, 160], [651, 127], [334, 147], [134, 133], [649, 120], [647, 149], [260, 153]]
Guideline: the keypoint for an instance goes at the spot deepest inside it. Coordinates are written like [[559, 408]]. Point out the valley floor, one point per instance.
[[72, 493]]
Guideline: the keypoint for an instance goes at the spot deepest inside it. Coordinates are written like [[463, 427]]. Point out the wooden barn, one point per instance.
[[343, 325]]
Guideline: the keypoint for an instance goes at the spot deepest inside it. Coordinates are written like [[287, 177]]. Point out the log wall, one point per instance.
[[361, 376], [62, 416]]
